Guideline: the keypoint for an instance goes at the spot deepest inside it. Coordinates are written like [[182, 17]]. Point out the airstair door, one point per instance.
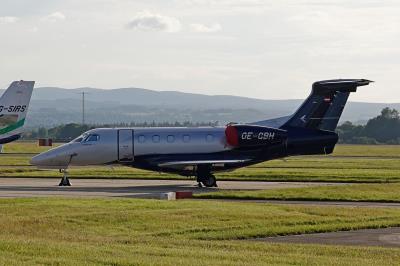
[[125, 145]]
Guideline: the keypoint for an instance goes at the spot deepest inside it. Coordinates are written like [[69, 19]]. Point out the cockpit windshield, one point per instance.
[[86, 138], [80, 138], [92, 137]]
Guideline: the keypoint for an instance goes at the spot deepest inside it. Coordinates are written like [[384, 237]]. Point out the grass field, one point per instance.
[[150, 232], [349, 163], [355, 192], [25, 147], [67, 231]]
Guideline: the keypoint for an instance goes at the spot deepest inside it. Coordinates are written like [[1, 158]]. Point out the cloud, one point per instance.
[[54, 17], [205, 28], [146, 21], [34, 29], [8, 20]]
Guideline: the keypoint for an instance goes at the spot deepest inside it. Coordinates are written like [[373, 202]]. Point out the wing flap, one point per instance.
[[198, 162]]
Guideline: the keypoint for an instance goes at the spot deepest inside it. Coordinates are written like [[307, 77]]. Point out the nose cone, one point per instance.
[[39, 159], [55, 158]]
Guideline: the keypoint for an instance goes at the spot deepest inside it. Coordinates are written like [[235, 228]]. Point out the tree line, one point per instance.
[[383, 129]]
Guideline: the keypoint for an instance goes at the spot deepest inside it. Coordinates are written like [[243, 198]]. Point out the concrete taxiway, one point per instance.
[[384, 237], [39, 187], [141, 188]]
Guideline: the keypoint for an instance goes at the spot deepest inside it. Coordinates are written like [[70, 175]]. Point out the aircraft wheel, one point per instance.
[[209, 181], [64, 180]]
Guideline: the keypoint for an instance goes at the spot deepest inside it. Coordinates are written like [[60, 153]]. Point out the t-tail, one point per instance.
[[14, 105], [311, 128], [323, 108]]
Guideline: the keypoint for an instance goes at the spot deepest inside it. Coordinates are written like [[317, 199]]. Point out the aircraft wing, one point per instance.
[[197, 162]]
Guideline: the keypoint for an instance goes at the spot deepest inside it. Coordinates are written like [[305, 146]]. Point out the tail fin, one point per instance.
[[323, 108], [14, 105]]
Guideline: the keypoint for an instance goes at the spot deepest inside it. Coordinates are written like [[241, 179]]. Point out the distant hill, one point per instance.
[[53, 106]]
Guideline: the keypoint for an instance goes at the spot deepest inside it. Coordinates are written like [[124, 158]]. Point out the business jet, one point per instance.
[[204, 151], [14, 105]]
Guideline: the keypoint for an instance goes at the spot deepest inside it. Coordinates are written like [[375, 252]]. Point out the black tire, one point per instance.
[[209, 181], [64, 182]]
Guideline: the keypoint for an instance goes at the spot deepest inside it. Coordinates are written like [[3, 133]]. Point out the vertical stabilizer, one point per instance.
[[323, 108], [14, 105]]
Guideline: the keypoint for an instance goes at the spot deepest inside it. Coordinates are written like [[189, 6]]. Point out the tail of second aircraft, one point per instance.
[[323, 108], [14, 105]]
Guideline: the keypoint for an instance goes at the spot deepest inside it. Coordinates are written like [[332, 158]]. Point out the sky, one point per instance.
[[255, 48]]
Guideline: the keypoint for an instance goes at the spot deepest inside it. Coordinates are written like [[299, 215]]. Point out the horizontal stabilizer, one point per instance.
[[342, 85]]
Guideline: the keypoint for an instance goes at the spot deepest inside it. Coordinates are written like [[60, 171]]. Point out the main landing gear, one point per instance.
[[207, 181], [64, 180], [204, 176]]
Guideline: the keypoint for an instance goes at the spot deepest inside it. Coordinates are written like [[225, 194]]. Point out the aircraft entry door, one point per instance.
[[125, 145]]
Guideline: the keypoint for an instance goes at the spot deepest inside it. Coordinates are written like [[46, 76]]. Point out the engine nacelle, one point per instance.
[[252, 135]]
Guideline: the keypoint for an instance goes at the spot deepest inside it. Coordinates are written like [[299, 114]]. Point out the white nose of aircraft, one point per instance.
[[42, 159], [55, 158]]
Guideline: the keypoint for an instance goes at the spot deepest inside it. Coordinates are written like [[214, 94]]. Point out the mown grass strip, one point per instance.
[[246, 174], [135, 232], [304, 168], [283, 176], [355, 192]]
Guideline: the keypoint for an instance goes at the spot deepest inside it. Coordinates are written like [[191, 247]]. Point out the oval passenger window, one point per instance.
[[142, 138], [170, 138], [209, 138], [186, 138], [156, 138]]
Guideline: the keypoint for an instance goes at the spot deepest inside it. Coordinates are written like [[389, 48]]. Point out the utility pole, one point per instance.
[[83, 108]]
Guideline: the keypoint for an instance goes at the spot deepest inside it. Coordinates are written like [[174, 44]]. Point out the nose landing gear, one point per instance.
[[64, 180]]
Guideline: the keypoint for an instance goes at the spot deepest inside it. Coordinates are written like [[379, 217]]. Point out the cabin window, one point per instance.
[[92, 137], [156, 138], [209, 138], [170, 138], [142, 138], [186, 138]]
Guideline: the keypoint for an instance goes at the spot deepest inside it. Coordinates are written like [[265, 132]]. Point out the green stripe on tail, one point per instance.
[[12, 127]]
